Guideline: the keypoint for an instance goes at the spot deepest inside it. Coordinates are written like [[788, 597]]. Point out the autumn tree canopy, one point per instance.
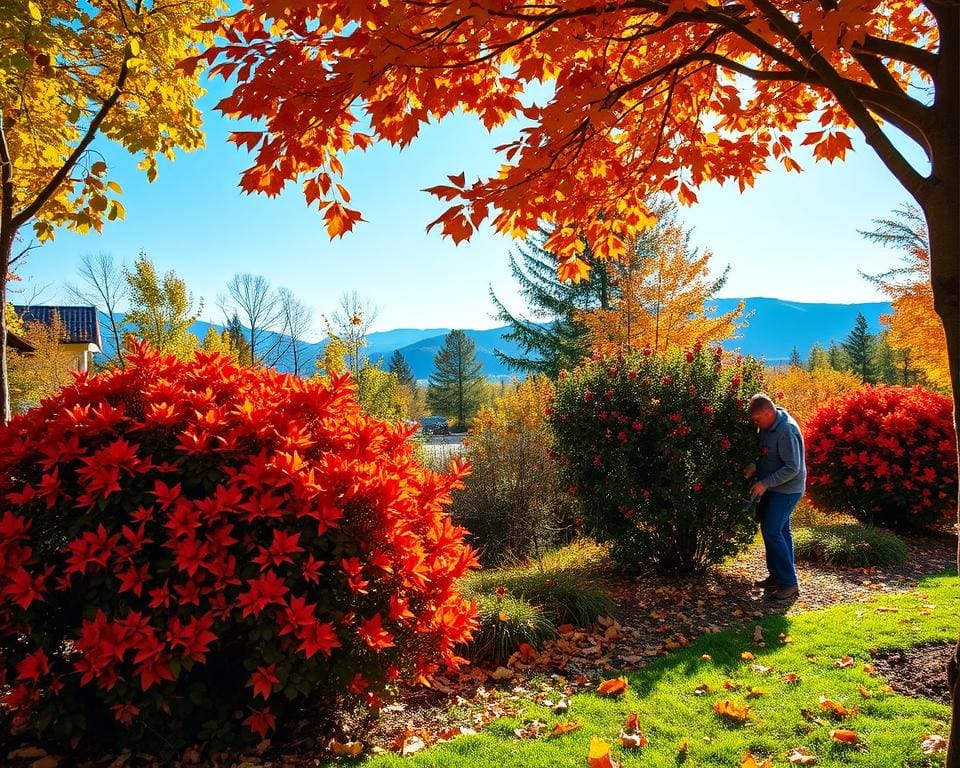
[[70, 72]]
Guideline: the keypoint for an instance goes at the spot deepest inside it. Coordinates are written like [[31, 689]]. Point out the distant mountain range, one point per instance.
[[774, 328]]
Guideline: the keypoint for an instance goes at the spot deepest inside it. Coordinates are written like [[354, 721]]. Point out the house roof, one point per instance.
[[82, 323], [18, 343]]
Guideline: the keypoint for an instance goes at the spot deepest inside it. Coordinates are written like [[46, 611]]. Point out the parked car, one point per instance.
[[435, 425]]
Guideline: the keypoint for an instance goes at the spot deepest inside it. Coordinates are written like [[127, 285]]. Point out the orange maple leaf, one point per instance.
[[613, 687], [561, 728], [749, 761], [728, 709], [835, 707], [844, 736]]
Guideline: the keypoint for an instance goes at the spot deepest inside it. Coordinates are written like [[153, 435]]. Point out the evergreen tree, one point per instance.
[[795, 359], [551, 339], [238, 338], [456, 386], [818, 358], [861, 348], [837, 357], [894, 364], [400, 368]]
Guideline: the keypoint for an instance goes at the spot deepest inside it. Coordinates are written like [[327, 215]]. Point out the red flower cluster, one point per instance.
[[210, 535], [885, 454]]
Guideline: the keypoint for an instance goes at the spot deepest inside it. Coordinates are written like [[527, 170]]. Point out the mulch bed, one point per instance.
[[918, 671]]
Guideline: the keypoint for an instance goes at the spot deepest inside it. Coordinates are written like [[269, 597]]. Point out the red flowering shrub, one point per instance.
[[884, 454], [653, 447], [181, 542]]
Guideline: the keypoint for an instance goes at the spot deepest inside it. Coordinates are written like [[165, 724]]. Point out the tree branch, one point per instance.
[[896, 163], [908, 54], [58, 178]]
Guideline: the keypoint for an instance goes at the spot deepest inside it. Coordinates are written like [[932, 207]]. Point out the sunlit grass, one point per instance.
[[890, 726]]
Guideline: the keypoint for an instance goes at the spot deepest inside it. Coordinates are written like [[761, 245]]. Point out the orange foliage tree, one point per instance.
[[915, 329], [662, 287], [648, 96]]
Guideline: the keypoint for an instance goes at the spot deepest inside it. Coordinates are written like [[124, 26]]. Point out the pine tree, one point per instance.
[[818, 358], [861, 348], [837, 357], [795, 360], [400, 368], [238, 338], [456, 386], [551, 339]]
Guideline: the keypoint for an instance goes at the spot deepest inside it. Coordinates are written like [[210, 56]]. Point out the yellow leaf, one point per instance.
[[712, 138], [34, 11], [599, 755], [728, 709]]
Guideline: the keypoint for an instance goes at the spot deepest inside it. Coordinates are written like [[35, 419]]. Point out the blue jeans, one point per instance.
[[774, 511]]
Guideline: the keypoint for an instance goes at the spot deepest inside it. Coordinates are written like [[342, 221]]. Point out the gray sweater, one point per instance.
[[781, 466]]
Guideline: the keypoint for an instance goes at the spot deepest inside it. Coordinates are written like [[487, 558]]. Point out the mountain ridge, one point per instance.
[[775, 327]]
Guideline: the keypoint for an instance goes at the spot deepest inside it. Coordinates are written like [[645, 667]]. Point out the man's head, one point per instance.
[[762, 411]]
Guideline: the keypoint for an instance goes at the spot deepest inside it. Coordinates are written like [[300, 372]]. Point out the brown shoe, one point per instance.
[[787, 593], [766, 583]]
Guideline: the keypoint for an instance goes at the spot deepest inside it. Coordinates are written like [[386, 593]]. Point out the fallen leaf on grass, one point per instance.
[[865, 692], [561, 728], [835, 707], [562, 706], [452, 733], [760, 669], [753, 693], [25, 753], [613, 687], [791, 678], [749, 761], [346, 748], [701, 690], [844, 736], [630, 734], [682, 750], [758, 634], [529, 731], [731, 686], [747, 656], [728, 709], [412, 745], [933, 745], [870, 669], [887, 609], [843, 663], [599, 755], [801, 756], [706, 657]]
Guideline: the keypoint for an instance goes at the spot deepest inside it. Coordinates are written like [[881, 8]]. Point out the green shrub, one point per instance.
[[505, 623], [848, 544], [652, 447], [513, 502]]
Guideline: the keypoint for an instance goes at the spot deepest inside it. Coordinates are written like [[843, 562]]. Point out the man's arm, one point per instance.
[[788, 446]]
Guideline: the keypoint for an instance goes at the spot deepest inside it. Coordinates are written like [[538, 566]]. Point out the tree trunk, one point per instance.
[[942, 210], [6, 252]]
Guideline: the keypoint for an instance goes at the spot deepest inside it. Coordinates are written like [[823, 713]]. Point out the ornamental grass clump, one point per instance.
[[193, 550], [885, 455], [653, 446], [849, 544]]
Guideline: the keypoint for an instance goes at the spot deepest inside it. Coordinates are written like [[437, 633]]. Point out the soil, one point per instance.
[[919, 671]]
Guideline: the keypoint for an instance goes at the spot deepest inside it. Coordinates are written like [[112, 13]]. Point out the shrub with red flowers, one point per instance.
[[886, 455], [192, 550], [653, 448]]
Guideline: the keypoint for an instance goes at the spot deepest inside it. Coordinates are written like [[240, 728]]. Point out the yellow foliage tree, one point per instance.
[[915, 327], [661, 293], [219, 342], [70, 72], [802, 392], [44, 371], [161, 309], [512, 501]]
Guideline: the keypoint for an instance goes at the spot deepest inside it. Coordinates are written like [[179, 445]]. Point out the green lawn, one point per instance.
[[890, 727]]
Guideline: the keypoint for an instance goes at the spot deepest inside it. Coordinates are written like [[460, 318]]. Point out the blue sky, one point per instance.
[[792, 236]]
